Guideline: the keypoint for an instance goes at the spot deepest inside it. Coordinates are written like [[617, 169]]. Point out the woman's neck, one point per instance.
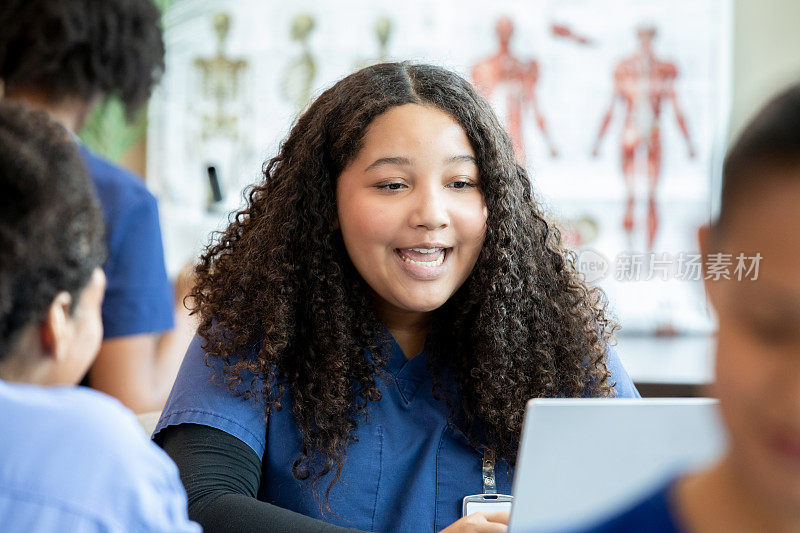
[[719, 499], [408, 328]]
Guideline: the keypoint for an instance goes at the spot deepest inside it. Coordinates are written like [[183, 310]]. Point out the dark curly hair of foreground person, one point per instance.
[[82, 48], [43, 183], [279, 280]]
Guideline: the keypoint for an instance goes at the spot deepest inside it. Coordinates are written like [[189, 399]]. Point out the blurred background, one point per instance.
[[621, 110]]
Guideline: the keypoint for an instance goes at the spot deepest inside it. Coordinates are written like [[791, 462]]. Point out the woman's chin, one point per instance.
[[423, 304], [420, 308]]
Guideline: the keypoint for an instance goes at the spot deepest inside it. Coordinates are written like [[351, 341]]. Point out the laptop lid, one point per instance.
[[583, 460]]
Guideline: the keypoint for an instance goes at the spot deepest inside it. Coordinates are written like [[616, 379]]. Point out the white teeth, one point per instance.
[[429, 264], [427, 250]]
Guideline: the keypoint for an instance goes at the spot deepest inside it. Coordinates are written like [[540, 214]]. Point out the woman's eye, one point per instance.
[[391, 186], [463, 185]]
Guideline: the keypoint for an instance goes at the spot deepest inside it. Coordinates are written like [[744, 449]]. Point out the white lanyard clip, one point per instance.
[[489, 500], [489, 482]]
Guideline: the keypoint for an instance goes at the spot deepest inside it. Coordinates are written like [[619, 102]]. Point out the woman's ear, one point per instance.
[[54, 330], [336, 221]]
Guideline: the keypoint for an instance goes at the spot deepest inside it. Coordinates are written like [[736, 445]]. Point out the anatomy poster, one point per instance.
[[618, 109], [641, 116]]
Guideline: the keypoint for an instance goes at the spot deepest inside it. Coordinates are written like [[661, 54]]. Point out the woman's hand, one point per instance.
[[480, 523]]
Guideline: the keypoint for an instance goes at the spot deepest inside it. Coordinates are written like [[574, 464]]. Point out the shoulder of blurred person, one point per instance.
[[139, 296], [77, 459], [619, 377], [119, 189]]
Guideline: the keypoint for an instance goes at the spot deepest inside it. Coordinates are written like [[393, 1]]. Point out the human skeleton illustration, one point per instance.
[[298, 78], [221, 78]]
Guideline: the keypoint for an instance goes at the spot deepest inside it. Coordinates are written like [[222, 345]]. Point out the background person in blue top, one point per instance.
[[383, 308], [64, 58], [756, 485], [71, 459]]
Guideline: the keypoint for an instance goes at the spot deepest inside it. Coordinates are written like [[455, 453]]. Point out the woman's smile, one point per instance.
[[423, 263]]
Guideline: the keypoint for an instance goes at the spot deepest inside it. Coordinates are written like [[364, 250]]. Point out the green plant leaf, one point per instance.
[[107, 131]]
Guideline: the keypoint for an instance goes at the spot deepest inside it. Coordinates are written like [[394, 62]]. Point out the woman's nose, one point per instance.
[[429, 209]]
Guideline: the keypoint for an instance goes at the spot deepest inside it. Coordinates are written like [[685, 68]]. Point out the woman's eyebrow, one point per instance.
[[406, 162], [463, 158], [399, 161]]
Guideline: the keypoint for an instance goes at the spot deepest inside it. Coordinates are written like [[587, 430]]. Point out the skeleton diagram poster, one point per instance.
[[617, 108]]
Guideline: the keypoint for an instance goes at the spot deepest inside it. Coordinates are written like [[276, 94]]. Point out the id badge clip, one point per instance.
[[489, 501]]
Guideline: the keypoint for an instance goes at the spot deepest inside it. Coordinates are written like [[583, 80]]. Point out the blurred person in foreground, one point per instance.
[[71, 459], [756, 485], [64, 58]]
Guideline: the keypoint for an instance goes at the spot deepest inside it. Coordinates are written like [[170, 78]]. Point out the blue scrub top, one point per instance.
[[653, 514], [72, 459], [408, 470], [138, 296]]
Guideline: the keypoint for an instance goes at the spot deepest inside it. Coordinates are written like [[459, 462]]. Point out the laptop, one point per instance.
[[584, 460]]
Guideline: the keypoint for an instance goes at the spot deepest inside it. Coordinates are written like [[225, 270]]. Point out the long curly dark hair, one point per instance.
[[82, 48], [279, 283]]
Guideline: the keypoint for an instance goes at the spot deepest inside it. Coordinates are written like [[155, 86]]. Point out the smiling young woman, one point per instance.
[[376, 317]]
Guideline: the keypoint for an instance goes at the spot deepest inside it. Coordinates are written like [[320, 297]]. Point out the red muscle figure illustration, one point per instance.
[[643, 82]]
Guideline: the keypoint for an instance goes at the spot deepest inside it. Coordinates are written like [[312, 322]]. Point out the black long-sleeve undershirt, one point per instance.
[[221, 475]]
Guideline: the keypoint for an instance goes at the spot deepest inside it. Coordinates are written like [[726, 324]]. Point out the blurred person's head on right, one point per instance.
[[51, 251], [758, 346], [65, 56], [755, 484]]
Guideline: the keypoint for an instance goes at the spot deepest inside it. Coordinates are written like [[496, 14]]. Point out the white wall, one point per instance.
[[766, 54]]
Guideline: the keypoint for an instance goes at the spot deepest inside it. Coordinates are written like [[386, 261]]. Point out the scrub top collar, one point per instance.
[[409, 374]]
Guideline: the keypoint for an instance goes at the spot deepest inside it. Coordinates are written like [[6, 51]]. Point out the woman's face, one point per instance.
[[411, 210], [758, 351]]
